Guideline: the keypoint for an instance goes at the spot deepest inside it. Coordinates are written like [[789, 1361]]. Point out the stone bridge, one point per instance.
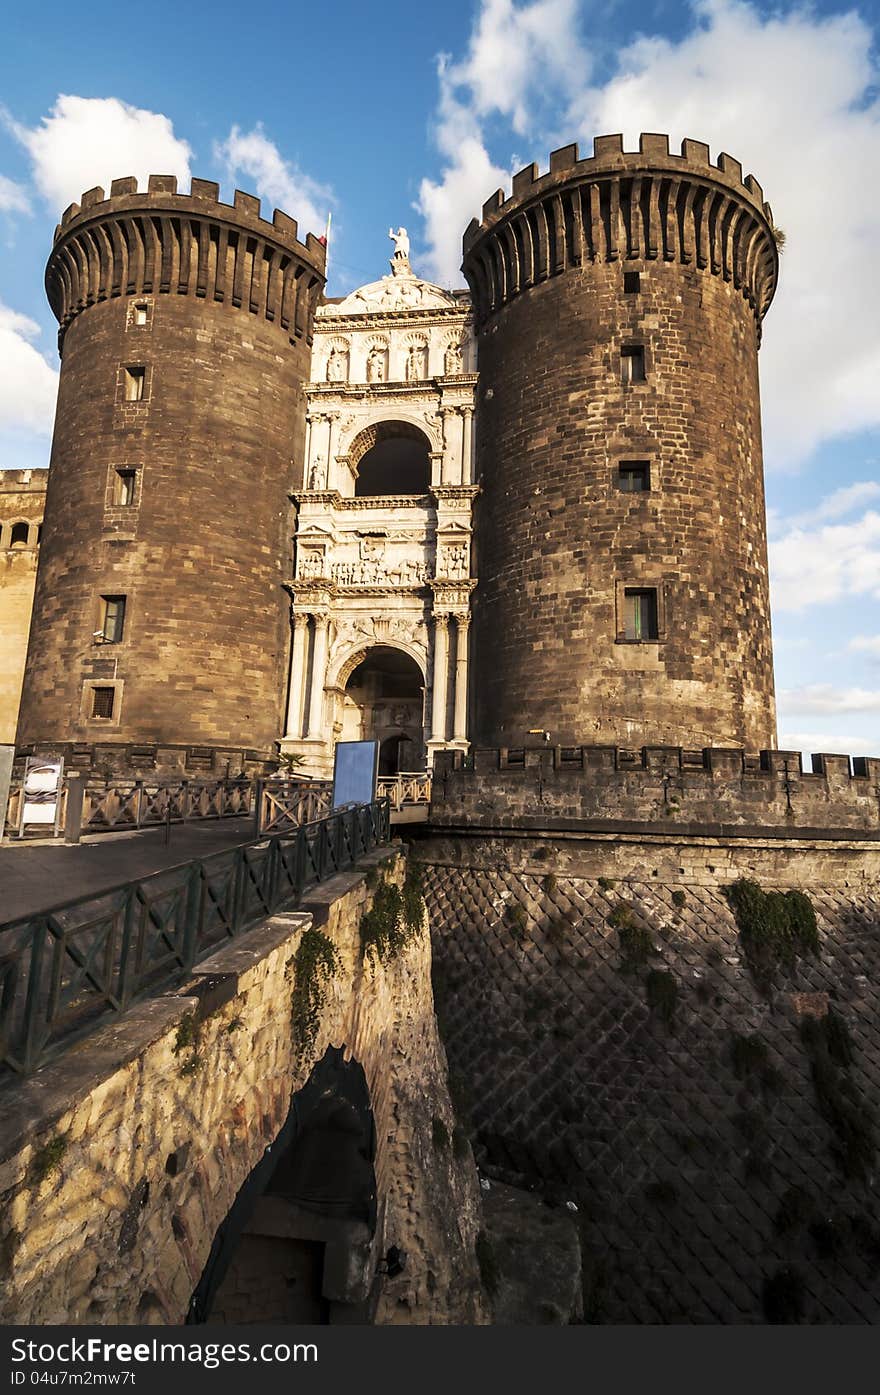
[[274, 1141]]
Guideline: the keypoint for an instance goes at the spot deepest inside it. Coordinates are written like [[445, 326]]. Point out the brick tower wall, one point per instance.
[[559, 542], [200, 554]]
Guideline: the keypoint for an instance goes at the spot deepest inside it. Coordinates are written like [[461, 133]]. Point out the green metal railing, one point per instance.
[[64, 971]]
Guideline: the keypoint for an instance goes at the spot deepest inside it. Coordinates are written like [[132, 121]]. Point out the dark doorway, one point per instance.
[[284, 1253], [397, 462], [384, 701]]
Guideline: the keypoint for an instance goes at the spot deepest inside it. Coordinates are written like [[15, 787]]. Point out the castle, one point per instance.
[[437, 519], [517, 535]]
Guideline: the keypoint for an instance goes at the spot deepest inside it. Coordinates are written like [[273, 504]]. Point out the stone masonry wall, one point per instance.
[[707, 792], [22, 499], [718, 1139], [122, 1159]]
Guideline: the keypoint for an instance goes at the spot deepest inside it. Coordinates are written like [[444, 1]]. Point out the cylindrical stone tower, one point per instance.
[[159, 615], [622, 553]]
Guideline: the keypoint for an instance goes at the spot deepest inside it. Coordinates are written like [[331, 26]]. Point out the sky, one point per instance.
[[400, 114]]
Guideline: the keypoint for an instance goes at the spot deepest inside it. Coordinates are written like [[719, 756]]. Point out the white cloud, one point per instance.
[[830, 743], [818, 698], [791, 94], [252, 154], [814, 566], [519, 60], [866, 644], [86, 141], [28, 385], [13, 198], [515, 53], [836, 505]]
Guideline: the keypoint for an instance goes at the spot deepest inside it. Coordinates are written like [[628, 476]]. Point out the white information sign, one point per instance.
[[42, 791]]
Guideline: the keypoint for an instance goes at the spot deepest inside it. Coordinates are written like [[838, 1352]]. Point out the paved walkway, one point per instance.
[[37, 876]]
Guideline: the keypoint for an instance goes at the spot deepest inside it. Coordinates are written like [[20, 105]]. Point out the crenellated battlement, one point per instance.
[[624, 205], [163, 241], [684, 790]]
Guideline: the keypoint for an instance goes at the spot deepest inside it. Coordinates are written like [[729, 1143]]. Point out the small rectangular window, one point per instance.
[[634, 476], [632, 363], [124, 486], [112, 618], [102, 702], [134, 384], [632, 282], [140, 314], [640, 613]]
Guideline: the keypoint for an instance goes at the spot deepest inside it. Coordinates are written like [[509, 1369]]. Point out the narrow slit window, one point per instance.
[[124, 486], [632, 363], [102, 702], [632, 282], [634, 476], [112, 619], [135, 379], [640, 613]]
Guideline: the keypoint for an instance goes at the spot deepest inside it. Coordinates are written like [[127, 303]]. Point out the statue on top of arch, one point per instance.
[[400, 259]]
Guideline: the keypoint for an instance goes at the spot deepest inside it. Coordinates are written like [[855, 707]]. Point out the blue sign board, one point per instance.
[[355, 768]]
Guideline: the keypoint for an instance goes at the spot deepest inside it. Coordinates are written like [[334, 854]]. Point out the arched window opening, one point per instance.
[[19, 535], [392, 457]]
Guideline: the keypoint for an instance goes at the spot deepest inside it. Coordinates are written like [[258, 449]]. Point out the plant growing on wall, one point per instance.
[[315, 963], [395, 917], [775, 928]]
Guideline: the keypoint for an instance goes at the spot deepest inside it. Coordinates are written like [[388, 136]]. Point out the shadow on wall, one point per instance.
[[297, 1244]]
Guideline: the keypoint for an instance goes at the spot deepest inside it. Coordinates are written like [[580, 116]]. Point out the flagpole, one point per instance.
[[327, 245]]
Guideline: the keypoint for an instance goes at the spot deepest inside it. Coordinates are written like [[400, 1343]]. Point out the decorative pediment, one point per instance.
[[392, 293]]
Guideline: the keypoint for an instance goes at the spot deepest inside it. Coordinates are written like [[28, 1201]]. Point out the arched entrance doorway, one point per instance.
[[384, 702], [296, 1243], [391, 457]]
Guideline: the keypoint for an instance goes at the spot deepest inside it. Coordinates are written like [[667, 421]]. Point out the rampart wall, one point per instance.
[[711, 792], [121, 1160]]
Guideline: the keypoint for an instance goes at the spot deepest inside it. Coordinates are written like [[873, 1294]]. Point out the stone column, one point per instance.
[[319, 673], [297, 674], [445, 414], [467, 414], [462, 625], [307, 462], [441, 669], [333, 418]]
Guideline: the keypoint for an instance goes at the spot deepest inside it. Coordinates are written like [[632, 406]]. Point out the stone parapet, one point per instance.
[[620, 205], [162, 241], [713, 792]]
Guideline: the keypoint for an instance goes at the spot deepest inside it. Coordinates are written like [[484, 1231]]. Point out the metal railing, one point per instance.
[[63, 971], [414, 788]]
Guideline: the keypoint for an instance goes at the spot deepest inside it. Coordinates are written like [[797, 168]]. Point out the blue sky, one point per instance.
[[397, 113]]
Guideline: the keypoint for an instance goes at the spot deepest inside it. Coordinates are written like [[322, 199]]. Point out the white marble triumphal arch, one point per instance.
[[381, 591]]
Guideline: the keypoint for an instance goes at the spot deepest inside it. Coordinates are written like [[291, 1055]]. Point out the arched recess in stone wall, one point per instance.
[[297, 1242], [345, 665], [391, 457], [410, 422]]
